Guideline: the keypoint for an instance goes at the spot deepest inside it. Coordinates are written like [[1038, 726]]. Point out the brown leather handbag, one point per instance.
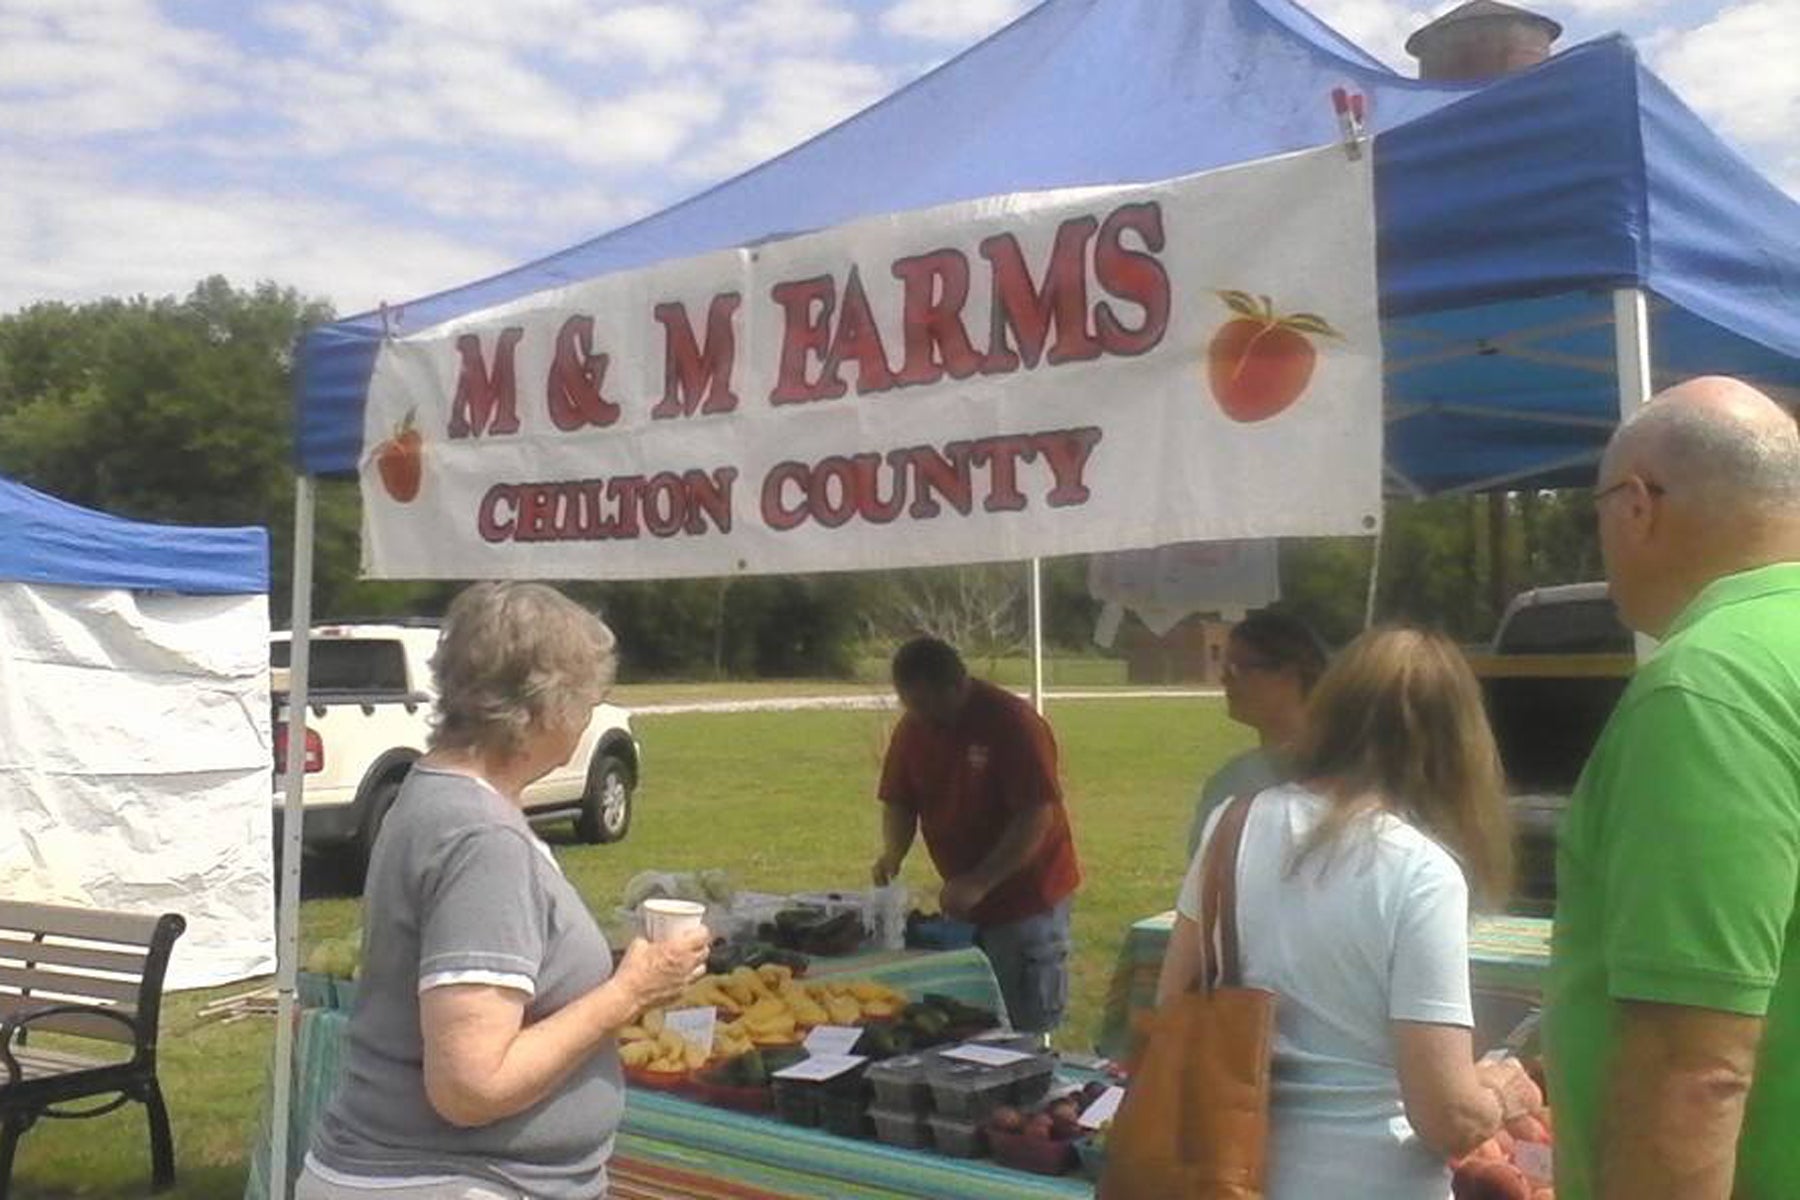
[[1195, 1121]]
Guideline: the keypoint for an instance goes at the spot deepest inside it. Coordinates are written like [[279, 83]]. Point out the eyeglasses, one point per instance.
[[1654, 489], [1236, 669]]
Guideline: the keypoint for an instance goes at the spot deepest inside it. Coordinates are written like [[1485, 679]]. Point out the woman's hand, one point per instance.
[[654, 973]]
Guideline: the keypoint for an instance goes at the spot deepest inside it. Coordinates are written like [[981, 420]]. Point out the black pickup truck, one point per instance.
[[1559, 663]]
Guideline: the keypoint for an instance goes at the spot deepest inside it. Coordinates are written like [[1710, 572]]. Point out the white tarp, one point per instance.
[[134, 764], [1049, 373]]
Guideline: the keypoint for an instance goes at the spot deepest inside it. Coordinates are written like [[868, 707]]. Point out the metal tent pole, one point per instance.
[[1037, 634], [1631, 346], [288, 920], [1631, 331], [1374, 579]]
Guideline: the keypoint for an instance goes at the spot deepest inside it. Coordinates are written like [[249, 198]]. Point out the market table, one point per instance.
[[1507, 960], [670, 1147]]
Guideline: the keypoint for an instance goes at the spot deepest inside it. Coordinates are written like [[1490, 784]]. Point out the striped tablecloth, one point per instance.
[[745, 1156], [669, 1147], [1506, 955]]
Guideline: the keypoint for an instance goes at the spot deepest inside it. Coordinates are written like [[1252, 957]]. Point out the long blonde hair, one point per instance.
[[1397, 725]]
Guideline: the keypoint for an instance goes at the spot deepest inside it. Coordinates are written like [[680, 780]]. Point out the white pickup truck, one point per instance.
[[370, 700]]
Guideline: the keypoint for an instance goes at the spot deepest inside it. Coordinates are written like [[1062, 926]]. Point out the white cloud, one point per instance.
[[658, 35], [546, 213], [949, 20], [415, 86], [1605, 8], [1379, 26], [70, 231], [490, 22], [323, 28], [1742, 70], [797, 98], [651, 126], [783, 26], [107, 66]]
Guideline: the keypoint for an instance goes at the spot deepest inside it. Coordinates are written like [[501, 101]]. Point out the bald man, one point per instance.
[[1674, 1000]]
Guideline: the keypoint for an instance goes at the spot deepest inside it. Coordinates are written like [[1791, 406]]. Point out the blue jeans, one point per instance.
[[1031, 961]]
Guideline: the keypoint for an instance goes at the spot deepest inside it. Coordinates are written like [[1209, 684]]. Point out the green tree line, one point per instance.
[[179, 410]]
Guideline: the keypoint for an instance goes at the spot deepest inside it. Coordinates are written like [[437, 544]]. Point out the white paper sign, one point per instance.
[[1164, 586], [822, 1066], [695, 1026], [987, 1056], [832, 1040], [1103, 1110], [1035, 374]]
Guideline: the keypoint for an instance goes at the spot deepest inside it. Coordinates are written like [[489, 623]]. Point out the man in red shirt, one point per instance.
[[973, 767]]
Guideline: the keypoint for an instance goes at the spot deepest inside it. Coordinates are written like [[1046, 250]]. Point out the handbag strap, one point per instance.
[[1218, 898]]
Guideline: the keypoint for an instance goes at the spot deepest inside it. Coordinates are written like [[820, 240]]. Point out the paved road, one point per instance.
[[875, 702]]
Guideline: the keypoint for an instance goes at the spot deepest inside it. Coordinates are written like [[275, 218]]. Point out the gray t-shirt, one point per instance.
[[1251, 772], [461, 889]]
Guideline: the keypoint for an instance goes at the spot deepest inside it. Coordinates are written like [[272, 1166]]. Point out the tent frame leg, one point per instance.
[[292, 844], [1637, 379], [1374, 577], [1631, 338], [1037, 634]]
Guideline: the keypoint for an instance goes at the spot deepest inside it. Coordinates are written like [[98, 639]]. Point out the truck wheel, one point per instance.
[[381, 798], [606, 805]]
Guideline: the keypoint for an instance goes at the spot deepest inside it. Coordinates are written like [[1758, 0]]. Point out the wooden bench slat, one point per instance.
[[81, 988], [74, 1024], [16, 952], [128, 929], [42, 1064]]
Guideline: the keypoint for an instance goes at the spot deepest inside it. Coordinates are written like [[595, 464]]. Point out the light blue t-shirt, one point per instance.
[[1375, 932]]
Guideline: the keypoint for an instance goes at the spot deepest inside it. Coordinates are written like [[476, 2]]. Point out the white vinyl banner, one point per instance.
[[134, 765], [1030, 375]]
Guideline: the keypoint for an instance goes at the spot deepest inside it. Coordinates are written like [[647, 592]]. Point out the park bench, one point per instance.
[[81, 976]]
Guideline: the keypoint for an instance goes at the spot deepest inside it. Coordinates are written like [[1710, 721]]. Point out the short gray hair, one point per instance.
[[1718, 457], [511, 657]]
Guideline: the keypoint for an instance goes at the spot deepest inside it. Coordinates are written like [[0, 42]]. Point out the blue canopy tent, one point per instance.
[[50, 541], [1538, 234], [1509, 215]]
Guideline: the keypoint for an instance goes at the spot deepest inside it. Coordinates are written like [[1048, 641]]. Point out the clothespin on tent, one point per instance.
[[1352, 115]]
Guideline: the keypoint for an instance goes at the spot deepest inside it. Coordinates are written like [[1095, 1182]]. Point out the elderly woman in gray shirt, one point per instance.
[[481, 1061]]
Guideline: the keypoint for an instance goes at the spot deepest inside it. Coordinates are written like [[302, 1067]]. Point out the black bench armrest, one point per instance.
[[18, 1022]]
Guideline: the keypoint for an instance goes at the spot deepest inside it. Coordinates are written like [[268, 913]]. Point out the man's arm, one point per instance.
[[899, 806], [1700, 865], [1676, 1093], [899, 824], [1010, 855]]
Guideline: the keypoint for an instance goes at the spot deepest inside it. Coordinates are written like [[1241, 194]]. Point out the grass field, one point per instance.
[[782, 800], [1064, 673]]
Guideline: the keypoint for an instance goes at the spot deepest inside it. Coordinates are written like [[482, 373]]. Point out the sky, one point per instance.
[[370, 150]]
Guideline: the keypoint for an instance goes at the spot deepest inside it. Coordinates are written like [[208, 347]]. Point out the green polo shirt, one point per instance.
[[1678, 867]]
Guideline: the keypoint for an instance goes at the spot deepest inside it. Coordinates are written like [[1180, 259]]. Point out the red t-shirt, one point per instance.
[[968, 781]]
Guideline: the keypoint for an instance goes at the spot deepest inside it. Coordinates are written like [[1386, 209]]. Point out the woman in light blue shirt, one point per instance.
[[1353, 895]]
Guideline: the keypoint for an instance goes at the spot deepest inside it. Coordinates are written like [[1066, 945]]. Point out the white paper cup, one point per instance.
[[665, 919]]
